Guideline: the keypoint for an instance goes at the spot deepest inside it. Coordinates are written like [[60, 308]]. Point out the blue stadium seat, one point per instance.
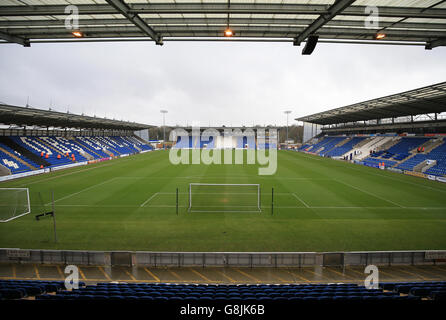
[[339, 151], [194, 293]]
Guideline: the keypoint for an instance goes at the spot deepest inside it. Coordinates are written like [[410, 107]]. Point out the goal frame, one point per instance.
[[259, 209], [28, 207]]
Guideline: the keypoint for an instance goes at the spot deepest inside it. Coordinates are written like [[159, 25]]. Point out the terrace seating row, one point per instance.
[[436, 290], [192, 292], [372, 162], [400, 151], [212, 143], [51, 151], [12, 164], [19, 289], [55, 290], [330, 145], [393, 157], [318, 145], [341, 150]]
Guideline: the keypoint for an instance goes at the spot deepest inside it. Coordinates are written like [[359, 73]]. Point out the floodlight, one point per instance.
[[77, 34], [229, 33], [380, 36]]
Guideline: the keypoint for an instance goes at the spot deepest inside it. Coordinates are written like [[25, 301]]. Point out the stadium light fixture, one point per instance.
[[229, 32], [287, 114], [77, 34], [164, 127], [380, 36]]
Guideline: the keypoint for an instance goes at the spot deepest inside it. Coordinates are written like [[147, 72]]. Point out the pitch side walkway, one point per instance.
[[230, 275]]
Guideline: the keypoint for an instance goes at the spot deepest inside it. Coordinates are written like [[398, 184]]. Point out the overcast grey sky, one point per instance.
[[210, 83]]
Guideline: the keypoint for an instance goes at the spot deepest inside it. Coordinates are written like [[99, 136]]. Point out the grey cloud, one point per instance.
[[220, 83]]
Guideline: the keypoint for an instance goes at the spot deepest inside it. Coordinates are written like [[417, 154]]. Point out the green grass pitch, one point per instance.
[[320, 205]]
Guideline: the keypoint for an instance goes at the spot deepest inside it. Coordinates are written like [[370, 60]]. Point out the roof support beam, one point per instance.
[[215, 30], [435, 43], [136, 20], [201, 8], [336, 8], [218, 21], [15, 39]]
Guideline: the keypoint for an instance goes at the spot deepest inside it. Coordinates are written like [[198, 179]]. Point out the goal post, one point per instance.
[[217, 197], [14, 203]]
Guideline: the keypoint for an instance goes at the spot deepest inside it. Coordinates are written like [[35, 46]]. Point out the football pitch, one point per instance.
[[320, 205]]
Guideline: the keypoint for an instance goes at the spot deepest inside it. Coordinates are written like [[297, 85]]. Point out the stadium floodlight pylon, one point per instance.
[[218, 197], [14, 203]]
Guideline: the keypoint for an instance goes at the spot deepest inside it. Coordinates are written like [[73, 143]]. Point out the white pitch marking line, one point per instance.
[[88, 188], [147, 201], [295, 195], [374, 195], [219, 177], [276, 193], [102, 165]]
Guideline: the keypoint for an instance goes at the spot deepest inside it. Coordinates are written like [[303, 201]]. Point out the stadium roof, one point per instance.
[[24, 116], [418, 22], [430, 99]]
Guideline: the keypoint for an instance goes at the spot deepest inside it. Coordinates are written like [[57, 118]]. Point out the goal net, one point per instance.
[[213, 197], [14, 203]]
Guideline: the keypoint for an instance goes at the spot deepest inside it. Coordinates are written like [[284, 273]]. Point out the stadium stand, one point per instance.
[[11, 163], [397, 152], [39, 148], [266, 145], [241, 142], [55, 290], [439, 155], [372, 162], [250, 142], [24, 153], [331, 145], [435, 290], [183, 142], [319, 144], [404, 131], [343, 149], [19, 289], [214, 292], [207, 142], [400, 151], [94, 145], [137, 144], [212, 143]]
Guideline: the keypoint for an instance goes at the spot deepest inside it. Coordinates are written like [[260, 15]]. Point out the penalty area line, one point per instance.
[[369, 193], [295, 195], [148, 200], [83, 190]]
